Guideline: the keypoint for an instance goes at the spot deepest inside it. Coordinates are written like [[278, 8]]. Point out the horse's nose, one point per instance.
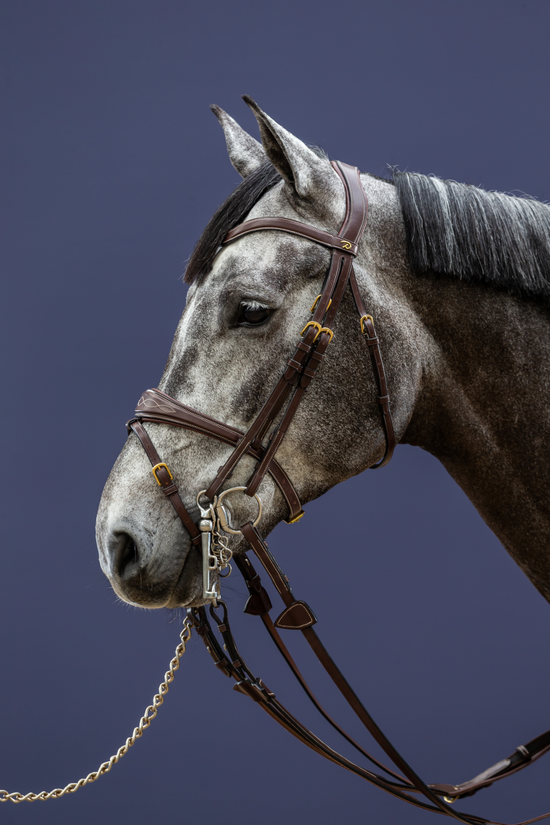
[[148, 575], [125, 555]]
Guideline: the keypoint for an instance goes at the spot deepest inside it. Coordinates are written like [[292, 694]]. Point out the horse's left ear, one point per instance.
[[297, 163]]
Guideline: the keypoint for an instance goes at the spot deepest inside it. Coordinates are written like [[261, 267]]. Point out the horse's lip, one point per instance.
[[174, 599], [178, 580]]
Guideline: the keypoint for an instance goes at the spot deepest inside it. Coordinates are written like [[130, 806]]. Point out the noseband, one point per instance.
[[261, 441]]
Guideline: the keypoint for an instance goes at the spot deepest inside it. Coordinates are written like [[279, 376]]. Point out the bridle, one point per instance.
[[301, 368], [261, 441]]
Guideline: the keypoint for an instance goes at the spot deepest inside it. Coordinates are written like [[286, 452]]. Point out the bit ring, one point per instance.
[[223, 521]]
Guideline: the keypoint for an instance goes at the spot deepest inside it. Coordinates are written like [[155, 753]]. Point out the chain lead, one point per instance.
[[150, 713]]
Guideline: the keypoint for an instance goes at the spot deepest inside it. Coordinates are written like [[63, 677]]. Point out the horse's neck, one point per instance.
[[484, 410]]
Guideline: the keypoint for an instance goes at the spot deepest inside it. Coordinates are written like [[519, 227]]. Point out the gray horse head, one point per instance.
[[446, 345]]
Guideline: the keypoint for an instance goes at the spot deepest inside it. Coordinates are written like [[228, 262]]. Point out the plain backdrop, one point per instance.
[[112, 164]]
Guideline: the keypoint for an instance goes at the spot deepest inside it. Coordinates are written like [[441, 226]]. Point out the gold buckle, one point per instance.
[[312, 324], [316, 301], [157, 467], [324, 329], [296, 518], [362, 322], [319, 329]]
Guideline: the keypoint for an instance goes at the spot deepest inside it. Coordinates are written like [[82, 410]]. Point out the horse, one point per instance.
[[457, 280]]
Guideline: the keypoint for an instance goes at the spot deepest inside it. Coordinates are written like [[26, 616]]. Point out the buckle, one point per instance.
[[157, 467], [296, 518], [315, 324], [324, 329], [362, 322], [316, 301], [319, 329]]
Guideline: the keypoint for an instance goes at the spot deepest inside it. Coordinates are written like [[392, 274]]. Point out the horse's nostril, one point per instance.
[[126, 556]]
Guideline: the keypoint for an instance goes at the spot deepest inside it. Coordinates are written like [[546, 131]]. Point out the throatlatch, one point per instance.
[[261, 441]]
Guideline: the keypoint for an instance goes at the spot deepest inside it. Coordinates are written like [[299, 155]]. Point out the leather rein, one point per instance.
[[261, 441]]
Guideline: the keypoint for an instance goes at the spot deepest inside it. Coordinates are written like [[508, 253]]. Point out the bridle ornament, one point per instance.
[[261, 441]]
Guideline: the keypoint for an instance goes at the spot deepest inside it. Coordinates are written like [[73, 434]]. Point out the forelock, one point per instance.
[[230, 214]]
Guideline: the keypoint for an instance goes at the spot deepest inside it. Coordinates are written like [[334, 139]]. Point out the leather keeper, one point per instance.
[[221, 664], [254, 584], [251, 690], [170, 490], [294, 364], [316, 358], [291, 372]]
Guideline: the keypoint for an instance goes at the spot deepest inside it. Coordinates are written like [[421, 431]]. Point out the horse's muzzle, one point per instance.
[[166, 578]]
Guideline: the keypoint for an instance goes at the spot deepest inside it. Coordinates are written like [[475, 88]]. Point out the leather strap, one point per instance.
[[154, 405], [371, 339], [294, 228], [231, 663], [266, 415], [518, 760], [318, 332], [165, 480], [281, 582]]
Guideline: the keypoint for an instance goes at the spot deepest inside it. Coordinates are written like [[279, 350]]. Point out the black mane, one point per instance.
[[463, 231]]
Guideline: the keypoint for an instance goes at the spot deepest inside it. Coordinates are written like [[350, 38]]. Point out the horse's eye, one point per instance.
[[253, 316]]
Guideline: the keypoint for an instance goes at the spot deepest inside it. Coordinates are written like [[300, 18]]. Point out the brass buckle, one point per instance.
[[324, 329], [319, 329], [315, 324], [157, 467], [316, 301], [362, 322], [296, 518]]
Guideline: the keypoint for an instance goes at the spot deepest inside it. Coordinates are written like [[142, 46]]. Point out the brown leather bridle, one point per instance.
[[261, 441]]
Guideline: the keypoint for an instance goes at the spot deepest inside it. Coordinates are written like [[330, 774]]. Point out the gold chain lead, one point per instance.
[[150, 713]]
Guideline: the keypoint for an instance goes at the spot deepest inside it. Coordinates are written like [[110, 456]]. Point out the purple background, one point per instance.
[[113, 165]]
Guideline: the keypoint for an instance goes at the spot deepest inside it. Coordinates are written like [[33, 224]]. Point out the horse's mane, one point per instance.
[[466, 232]]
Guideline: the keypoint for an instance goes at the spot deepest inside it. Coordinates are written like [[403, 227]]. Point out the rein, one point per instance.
[[261, 441]]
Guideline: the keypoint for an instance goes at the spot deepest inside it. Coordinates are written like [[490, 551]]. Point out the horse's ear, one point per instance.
[[245, 153], [297, 163]]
